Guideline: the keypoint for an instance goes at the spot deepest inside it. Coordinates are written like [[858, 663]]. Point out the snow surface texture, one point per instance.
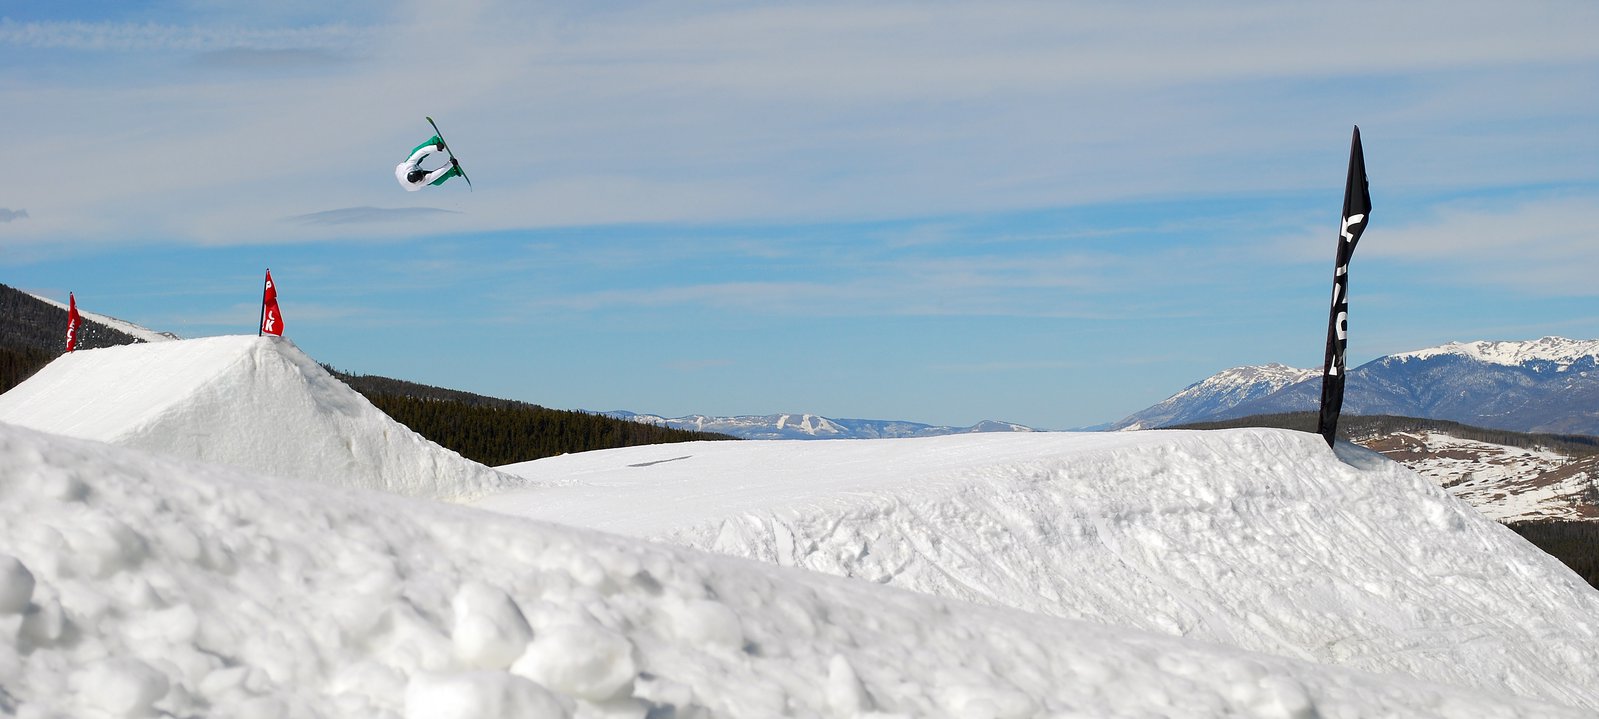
[[252, 402], [136, 585], [1258, 539]]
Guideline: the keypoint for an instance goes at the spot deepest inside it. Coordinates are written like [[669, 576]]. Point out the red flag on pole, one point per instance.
[[73, 320], [271, 319]]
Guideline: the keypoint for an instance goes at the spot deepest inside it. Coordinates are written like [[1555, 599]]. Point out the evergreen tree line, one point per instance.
[[1574, 543], [496, 435], [497, 431], [18, 364], [1359, 427], [26, 322]]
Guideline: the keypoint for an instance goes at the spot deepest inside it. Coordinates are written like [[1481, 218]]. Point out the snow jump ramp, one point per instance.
[[257, 403]]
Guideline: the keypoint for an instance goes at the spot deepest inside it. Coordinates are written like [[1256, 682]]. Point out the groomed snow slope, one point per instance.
[[1258, 539], [257, 403], [136, 585]]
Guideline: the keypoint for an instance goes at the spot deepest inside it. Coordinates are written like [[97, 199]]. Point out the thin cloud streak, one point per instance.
[[269, 59], [357, 215], [150, 36], [1544, 246]]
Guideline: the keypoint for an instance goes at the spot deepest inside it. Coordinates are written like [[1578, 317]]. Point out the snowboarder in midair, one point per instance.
[[411, 174]]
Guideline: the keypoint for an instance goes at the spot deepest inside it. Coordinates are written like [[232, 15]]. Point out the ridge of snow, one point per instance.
[[1257, 539], [123, 326], [257, 403], [136, 585], [1559, 350]]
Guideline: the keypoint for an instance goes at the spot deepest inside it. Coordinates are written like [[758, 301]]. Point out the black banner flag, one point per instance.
[[1357, 209]]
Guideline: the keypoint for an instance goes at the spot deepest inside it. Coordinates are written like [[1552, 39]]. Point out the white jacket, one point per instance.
[[405, 168]]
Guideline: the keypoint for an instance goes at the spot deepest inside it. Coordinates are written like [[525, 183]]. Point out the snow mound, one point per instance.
[[140, 585], [1257, 539], [257, 403]]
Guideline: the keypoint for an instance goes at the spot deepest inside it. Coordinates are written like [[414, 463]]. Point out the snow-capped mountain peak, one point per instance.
[[1274, 373], [1543, 385], [1559, 350], [1220, 391]]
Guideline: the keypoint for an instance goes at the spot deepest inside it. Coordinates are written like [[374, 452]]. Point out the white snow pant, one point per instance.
[[404, 169]]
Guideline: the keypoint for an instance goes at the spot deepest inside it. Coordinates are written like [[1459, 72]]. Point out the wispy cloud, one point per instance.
[[714, 112], [8, 215], [1547, 228], [241, 58], [1545, 246], [1057, 287], [355, 215], [150, 36]]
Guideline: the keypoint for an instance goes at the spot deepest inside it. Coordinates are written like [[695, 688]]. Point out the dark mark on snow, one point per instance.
[[660, 461]]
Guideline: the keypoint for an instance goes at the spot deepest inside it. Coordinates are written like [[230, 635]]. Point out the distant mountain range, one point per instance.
[[811, 426], [1549, 385], [1209, 398]]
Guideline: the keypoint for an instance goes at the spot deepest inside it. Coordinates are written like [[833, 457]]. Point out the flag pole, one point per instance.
[[1357, 209]]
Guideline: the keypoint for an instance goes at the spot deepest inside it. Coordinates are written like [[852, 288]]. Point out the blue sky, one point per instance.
[[1048, 213]]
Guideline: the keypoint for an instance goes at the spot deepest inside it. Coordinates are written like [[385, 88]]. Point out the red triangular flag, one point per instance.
[[271, 319], [73, 320]]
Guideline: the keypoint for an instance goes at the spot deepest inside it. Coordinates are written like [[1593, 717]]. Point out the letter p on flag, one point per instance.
[[271, 318]]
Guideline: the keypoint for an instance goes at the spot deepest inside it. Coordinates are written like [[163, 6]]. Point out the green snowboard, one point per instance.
[[453, 161]]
